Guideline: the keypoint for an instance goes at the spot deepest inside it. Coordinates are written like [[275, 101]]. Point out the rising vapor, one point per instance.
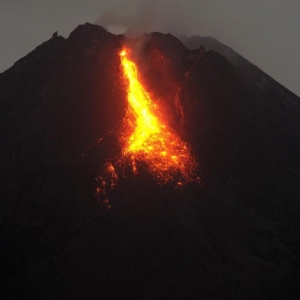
[[144, 16]]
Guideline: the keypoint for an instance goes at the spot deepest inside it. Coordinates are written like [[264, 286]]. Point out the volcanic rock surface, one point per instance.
[[234, 236]]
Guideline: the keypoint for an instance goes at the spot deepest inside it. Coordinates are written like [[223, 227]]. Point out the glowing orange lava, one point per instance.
[[145, 137], [151, 140]]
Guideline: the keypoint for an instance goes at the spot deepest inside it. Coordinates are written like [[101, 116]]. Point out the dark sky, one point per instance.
[[266, 32]]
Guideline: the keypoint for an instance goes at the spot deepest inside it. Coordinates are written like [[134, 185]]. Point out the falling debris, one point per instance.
[[107, 180]]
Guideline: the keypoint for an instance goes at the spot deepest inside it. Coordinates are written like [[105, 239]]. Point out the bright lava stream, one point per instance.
[[150, 139]]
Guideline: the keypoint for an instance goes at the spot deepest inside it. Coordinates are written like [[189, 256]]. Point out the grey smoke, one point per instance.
[[145, 16]]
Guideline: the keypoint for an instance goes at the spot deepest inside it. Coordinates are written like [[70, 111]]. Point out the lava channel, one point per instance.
[[149, 139]]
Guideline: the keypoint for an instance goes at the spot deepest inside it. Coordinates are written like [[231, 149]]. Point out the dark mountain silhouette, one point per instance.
[[254, 74], [235, 236]]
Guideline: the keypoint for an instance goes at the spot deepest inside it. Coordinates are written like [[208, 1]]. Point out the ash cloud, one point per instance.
[[144, 16]]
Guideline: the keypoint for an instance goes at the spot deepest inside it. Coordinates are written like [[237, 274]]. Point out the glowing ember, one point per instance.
[[151, 140]]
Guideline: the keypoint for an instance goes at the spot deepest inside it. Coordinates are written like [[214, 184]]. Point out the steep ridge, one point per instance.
[[255, 75]]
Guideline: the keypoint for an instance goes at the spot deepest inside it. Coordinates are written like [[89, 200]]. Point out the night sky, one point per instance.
[[266, 32]]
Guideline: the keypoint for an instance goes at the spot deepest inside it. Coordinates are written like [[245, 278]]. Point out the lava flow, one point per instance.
[[150, 139]]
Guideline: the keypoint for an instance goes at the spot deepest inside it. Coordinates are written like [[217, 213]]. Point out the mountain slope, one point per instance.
[[254, 74], [234, 236]]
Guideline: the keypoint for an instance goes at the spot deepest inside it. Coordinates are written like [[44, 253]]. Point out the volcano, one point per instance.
[[229, 229]]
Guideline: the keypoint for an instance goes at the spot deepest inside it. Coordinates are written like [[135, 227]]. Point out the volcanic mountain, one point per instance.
[[229, 231]]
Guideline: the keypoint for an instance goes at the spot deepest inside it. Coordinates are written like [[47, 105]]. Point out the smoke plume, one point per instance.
[[144, 16]]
